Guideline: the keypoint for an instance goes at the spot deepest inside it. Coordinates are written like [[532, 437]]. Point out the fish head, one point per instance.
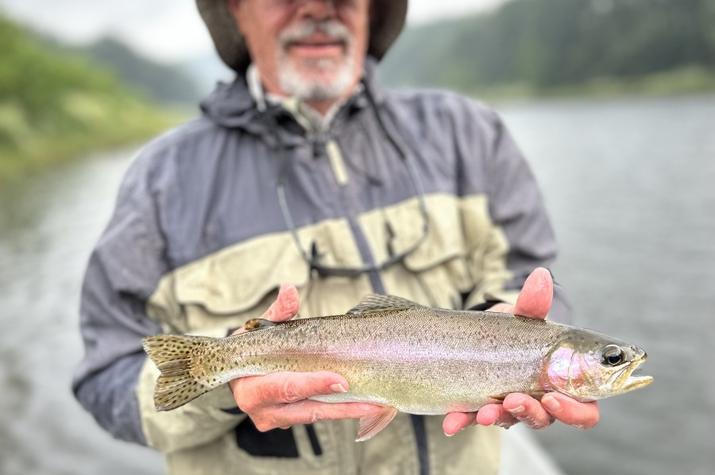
[[588, 366]]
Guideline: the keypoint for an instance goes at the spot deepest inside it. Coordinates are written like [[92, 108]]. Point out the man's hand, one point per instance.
[[534, 301], [281, 399]]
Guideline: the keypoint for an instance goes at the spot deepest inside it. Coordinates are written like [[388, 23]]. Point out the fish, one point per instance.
[[405, 357]]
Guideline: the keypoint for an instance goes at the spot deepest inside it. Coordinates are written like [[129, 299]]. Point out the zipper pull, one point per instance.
[[335, 155]]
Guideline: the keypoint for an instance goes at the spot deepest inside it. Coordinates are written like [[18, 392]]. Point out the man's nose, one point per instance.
[[317, 9]]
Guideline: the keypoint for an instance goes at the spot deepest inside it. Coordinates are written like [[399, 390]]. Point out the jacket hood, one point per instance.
[[231, 105]]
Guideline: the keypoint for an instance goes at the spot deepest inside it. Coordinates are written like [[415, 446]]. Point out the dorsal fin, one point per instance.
[[258, 324], [375, 303]]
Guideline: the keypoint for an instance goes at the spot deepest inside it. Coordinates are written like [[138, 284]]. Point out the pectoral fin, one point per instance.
[[371, 425]]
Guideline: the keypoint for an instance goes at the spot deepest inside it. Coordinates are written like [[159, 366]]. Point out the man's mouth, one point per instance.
[[321, 47]]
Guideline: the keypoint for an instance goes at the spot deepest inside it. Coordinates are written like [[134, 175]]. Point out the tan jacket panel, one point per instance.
[[227, 288]]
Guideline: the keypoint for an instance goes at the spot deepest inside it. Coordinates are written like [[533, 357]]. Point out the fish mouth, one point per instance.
[[625, 381]]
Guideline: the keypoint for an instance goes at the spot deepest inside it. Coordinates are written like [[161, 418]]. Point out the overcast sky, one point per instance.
[[168, 30]]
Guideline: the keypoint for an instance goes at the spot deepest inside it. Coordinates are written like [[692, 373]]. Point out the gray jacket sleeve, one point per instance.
[[489, 164], [470, 142], [517, 208], [123, 270]]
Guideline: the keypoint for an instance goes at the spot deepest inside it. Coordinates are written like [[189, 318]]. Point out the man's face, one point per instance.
[[311, 49]]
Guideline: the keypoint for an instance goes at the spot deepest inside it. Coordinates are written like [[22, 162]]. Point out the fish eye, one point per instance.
[[612, 355]]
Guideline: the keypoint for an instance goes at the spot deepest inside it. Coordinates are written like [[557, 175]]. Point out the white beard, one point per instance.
[[296, 83]]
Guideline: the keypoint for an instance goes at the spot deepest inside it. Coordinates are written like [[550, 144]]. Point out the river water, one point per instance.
[[631, 188]]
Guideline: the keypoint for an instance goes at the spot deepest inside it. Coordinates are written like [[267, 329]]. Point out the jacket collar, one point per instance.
[[233, 105]]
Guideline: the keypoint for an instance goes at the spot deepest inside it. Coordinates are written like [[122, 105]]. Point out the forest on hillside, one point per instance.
[[548, 45], [55, 104]]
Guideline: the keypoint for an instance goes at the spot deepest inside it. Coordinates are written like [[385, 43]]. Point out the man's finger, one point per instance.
[[456, 421], [495, 414], [583, 415], [285, 306], [285, 388], [489, 414], [535, 298], [309, 412], [528, 410]]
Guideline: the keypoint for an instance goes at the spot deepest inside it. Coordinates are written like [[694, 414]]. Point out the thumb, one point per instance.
[[535, 298], [285, 306]]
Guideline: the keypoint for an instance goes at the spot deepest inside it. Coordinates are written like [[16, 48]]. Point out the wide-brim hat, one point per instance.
[[387, 19]]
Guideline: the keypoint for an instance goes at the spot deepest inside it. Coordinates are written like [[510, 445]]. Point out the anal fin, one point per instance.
[[371, 425]]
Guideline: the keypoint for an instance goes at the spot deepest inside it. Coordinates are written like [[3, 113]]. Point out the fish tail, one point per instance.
[[175, 356]]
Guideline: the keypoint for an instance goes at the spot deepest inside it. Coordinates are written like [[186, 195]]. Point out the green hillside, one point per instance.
[[55, 105], [166, 83], [553, 46]]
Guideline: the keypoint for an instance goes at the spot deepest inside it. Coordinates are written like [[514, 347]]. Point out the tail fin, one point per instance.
[[174, 356]]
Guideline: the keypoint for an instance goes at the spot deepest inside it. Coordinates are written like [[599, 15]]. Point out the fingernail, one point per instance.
[[579, 426], [517, 410], [338, 388], [454, 433], [551, 403]]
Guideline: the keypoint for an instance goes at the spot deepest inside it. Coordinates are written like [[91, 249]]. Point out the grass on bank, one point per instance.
[[93, 122]]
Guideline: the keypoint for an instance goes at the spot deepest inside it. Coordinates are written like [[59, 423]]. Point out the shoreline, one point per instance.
[[680, 82], [33, 151]]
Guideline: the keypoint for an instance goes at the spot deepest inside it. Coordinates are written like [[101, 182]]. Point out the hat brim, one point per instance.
[[386, 22]]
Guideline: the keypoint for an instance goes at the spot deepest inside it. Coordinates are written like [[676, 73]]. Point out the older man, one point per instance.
[[304, 171]]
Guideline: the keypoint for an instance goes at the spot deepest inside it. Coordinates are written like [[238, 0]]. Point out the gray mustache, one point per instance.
[[305, 29]]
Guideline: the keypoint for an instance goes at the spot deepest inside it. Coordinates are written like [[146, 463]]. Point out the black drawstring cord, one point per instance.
[[313, 259], [400, 147]]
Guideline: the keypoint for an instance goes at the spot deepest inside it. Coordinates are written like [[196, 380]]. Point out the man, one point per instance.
[[304, 171]]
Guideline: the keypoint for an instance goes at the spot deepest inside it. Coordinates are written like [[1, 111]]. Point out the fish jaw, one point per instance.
[[627, 382]]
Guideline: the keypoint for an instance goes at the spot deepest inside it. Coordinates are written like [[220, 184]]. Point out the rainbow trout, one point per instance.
[[405, 357]]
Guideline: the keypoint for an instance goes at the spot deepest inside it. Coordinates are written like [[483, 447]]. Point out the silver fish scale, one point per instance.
[[419, 360]]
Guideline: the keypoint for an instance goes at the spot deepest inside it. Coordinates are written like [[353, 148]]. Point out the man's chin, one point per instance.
[[319, 65], [322, 80], [317, 91]]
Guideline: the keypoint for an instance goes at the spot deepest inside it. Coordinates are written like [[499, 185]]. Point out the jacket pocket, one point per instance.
[[225, 289], [437, 272]]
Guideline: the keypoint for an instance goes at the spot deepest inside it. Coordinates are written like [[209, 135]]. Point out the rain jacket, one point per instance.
[[198, 244]]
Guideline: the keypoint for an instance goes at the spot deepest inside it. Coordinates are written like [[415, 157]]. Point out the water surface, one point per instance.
[[631, 188]]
